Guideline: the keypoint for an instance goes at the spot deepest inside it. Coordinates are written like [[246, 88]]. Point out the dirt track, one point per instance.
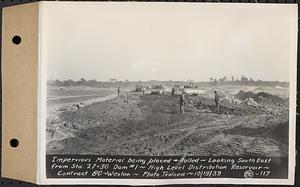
[[149, 125]]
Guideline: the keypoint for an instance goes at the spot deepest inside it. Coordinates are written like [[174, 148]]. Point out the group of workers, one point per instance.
[[183, 99]]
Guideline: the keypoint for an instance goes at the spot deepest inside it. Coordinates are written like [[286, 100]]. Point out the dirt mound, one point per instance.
[[227, 107], [278, 132], [261, 97], [149, 125], [268, 98], [242, 95]]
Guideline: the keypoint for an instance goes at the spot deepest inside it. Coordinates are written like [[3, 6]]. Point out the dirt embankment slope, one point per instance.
[[152, 125]]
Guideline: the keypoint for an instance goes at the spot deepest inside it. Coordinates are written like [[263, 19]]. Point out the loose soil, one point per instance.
[[135, 124]]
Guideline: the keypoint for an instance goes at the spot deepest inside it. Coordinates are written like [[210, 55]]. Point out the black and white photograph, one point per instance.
[[178, 79]]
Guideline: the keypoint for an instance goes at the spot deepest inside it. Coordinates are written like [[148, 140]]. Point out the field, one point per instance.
[[136, 124], [60, 98]]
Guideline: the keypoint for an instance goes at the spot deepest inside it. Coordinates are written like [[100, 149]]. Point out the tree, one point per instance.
[[221, 81], [58, 83], [81, 82], [68, 83], [92, 83]]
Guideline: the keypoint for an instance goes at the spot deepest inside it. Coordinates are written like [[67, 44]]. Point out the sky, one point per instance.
[[167, 41]]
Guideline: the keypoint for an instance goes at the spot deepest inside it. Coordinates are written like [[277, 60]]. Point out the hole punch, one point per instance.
[[14, 143], [17, 40]]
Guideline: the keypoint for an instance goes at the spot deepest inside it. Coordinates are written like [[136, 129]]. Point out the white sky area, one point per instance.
[[167, 41]]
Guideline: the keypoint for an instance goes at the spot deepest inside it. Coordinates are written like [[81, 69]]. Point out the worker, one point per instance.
[[143, 91], [182, 101], [217, 101], [159, 92], [119, 91], [173, 91]]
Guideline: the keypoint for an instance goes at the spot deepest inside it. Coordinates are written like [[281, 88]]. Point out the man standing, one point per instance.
[[173, 91], [119, 91], [182, 101], [217, 101]]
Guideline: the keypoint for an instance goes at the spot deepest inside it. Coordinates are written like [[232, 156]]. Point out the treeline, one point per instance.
[[245, 81], [248, 83], [89, 83], [116, 83]]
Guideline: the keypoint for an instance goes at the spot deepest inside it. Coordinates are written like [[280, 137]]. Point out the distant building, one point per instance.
[[113, 80], [244, 79]]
